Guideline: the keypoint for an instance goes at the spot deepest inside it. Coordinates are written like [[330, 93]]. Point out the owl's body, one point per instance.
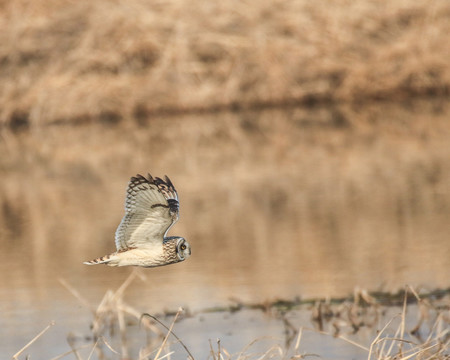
[[151, 208]]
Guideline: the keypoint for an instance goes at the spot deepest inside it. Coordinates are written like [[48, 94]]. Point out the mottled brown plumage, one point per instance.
[[151, 208]]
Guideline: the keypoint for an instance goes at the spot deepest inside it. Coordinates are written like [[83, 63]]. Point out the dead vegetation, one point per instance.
[[392, 339], [66, 60]]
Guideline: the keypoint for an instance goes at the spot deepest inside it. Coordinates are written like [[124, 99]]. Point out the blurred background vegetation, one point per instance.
[[73, 61]]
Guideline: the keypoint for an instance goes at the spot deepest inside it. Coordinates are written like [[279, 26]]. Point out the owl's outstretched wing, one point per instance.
[[151, 208]]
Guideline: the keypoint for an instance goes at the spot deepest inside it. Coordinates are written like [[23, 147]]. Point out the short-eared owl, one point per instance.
[[151, 208]]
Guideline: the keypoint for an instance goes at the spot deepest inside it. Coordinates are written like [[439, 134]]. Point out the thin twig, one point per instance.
[[71, 341], [125, 284], [108, 345], [93, 348], [75, 293], [33, 340], [418, 352], [340, 337], [378, 336], [167, 335], [212, 350], [299, 337], [219, 356], [402, 323], [251, 344], [163, 325], [69, 352], [122, 328]]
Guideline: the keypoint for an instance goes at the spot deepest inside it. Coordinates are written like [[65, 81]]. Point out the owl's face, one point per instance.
[[183, 249]]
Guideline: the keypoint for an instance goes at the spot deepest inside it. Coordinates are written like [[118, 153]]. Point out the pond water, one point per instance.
[[275, 204]]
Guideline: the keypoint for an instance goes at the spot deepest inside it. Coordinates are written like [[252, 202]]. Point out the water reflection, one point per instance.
[[275, 205]]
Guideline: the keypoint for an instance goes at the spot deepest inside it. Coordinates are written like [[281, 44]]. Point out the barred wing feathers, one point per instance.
[[151, 208]]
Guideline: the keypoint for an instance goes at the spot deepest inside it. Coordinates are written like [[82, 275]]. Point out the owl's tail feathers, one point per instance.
[[100, 260]]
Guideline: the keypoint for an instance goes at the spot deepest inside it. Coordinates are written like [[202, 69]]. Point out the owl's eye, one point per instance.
[[183, 247]]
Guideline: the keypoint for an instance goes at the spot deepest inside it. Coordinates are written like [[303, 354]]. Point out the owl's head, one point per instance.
[[183, 248]]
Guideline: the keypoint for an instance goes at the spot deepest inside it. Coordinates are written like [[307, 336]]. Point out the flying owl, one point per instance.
[[151, 208]]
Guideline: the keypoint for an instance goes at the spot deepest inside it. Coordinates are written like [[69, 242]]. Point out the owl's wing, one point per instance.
[[151, 208]]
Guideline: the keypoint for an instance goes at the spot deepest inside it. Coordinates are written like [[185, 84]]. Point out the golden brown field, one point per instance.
[[77, 60]]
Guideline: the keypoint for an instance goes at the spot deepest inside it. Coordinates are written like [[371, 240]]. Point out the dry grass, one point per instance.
[[113, 313], [66, 60]]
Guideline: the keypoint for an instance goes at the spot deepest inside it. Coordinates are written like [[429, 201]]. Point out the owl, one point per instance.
[[151, 208]]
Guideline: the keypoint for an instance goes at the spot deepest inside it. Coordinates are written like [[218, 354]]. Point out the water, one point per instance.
[[276, 204]]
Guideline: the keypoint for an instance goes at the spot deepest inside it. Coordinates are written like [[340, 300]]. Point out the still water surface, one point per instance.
[[276, 204]]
